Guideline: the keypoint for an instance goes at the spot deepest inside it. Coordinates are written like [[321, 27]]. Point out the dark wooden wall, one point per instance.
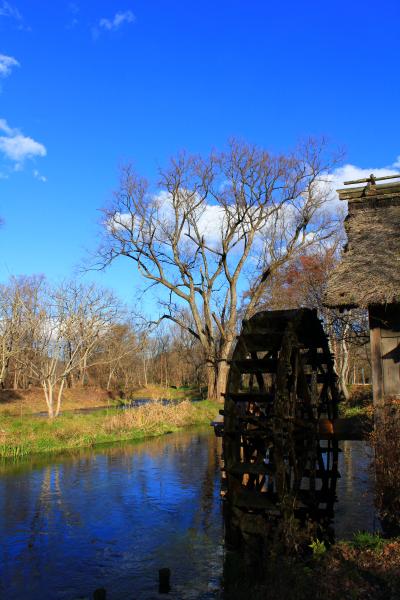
[[384, 322]]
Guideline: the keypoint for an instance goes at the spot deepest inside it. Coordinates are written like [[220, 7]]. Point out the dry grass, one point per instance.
[[385, 441], [28, 435], [150, 416], [27, 402]]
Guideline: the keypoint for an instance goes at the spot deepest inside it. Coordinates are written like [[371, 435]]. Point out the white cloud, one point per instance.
[[115, 23], [8, 10], [38, 176], [5, 127], [396, 163], [17, 147], [7, 63], [212, 218]]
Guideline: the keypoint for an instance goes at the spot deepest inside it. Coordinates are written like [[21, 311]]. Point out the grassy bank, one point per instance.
[[29, 435]]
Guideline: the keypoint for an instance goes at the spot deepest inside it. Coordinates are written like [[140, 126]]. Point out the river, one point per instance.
[[111, 517]]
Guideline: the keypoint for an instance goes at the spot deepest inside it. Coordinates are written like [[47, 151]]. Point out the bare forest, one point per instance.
[[218, 238]]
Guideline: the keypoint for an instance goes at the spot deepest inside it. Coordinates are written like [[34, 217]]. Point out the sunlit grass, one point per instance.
[[28, 435]]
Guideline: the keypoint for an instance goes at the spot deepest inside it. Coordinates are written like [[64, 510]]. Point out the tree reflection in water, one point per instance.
[[112, 518]]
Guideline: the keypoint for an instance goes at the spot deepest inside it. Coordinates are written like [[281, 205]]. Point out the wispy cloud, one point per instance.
[[5, 128], [39, 176], [73, 10], [113, 24], [20, 147], [8, 10], [119, 19], [17, 147], [7, 63]]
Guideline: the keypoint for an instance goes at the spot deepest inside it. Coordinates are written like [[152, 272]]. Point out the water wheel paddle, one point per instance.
[[281, 383]]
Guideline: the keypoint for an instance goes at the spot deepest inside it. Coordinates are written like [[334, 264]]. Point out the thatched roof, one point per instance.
[[369, 272]]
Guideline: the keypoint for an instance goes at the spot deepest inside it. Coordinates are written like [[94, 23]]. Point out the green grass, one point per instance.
[[318, 548], [32, 435], [363, 540], [349, 412]]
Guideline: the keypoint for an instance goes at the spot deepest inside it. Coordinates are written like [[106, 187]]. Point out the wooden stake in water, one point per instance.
[[164, 581]]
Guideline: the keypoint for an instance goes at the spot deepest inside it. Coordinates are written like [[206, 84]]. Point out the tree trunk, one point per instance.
[[84, 370], [15, 382], [222, 380], [145, 372], [3, 375], [344, 370], [60, 391], [211, 382], [48, 393], [217, 376]]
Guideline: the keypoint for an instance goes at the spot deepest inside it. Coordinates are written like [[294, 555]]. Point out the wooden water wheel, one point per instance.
[[281, 386]]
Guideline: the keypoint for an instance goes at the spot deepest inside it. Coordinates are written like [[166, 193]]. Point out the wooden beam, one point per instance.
[[376, 358], [341, 429]]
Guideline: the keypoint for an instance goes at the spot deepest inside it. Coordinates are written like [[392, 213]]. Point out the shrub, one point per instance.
[[363, 540], [385, 441]]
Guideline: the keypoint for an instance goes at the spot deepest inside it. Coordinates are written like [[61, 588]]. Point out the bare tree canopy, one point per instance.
[[217, 227], [62, 329]]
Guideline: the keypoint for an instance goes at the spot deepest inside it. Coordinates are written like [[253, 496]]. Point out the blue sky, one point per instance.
[[86, 86]]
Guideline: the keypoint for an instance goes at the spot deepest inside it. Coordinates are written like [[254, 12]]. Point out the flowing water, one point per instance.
[[112, 517]]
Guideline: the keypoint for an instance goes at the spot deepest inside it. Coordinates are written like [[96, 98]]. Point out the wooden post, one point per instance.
[[376, 358], [164, 581], [384, 322]]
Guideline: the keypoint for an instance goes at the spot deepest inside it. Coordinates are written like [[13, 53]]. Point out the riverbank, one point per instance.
[[27, 402], [31, 435]]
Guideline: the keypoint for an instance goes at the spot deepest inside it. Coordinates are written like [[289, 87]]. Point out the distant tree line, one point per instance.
[[76, 335]]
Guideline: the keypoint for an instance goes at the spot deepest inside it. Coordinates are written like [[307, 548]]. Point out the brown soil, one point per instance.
[[24, 402], [349, 573]]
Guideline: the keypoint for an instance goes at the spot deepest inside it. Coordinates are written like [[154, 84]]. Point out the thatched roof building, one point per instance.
[[369, 272]]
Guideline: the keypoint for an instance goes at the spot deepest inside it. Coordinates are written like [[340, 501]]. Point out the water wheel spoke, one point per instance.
[[281, 380]]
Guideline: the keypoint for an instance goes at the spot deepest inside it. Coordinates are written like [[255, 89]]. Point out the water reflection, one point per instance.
[[112, 519], [355, 509]]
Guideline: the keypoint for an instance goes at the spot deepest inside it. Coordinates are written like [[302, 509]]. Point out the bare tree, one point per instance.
[[65, 329], [218, 223], [17, 298], [116, 353], [95, 311], [11, 327]]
